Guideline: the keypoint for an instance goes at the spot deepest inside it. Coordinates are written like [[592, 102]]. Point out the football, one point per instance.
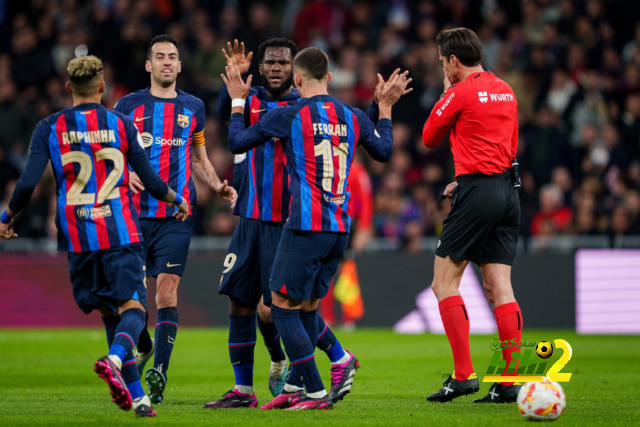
[[544, 349], [543, 401]]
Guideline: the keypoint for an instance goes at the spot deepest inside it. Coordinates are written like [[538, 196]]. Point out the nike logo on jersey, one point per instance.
[[254, 111], [139, 119], [172, 265]]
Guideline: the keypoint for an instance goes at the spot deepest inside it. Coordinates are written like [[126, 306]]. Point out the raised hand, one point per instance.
[[389, 92], [236, 56], [236, 87]]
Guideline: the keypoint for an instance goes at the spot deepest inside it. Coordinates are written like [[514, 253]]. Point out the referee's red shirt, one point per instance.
[[482, 114]]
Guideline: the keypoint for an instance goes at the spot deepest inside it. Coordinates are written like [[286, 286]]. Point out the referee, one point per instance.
[[482, 226]]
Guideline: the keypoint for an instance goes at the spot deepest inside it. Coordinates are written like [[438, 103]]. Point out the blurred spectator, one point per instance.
[[573, 65], [553, 217]]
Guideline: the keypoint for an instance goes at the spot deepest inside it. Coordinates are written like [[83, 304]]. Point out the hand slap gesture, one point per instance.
[[236, 87], [389, 92], [236, 56]]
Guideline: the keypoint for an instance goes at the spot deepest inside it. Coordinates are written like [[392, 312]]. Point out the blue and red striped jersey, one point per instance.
[[89, 147], [260, 176], [169, 127], [319, 136]]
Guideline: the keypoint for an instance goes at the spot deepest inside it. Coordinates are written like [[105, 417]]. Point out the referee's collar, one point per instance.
[[479, 73]]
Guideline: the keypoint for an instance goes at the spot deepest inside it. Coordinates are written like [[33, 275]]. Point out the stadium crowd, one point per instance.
[[573, 65]]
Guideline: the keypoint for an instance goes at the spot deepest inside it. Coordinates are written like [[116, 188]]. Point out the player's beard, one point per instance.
[[284, 86]]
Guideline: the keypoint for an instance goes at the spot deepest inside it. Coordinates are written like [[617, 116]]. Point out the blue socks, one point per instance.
[[131, 376], [328, 342], [166, 331], [110, 325], [144, 342], [242, 343], [311, 326], [127, 332], [298, 346], [271, 340]]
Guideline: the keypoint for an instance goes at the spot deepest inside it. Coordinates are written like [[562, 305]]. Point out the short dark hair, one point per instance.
[[313, 62], [277, 42], [162, 38], [461, 42]]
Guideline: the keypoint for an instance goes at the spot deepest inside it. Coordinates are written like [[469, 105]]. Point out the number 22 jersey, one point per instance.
[[89, 148]]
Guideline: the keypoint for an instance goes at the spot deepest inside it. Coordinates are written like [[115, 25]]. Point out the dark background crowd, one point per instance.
[[573, 65]]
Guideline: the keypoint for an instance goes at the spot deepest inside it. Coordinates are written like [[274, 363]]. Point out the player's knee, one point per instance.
[[265, 313], [238, 308]]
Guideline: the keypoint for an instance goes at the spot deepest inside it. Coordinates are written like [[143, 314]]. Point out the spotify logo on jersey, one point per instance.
[[147, 140]]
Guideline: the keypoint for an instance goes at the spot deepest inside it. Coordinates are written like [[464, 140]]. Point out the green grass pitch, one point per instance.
[[46, 378]]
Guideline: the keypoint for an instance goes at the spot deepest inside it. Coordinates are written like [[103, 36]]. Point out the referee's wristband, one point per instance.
[[178, 200], [238, 102], [5, 218]]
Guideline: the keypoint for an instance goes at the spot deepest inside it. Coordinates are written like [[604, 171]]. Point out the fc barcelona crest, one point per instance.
[[183, 120]]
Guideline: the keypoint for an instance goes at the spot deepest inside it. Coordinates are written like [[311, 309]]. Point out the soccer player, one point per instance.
[[483, 223], [89, 148], [172, 126], [319, 135], [261, 180]]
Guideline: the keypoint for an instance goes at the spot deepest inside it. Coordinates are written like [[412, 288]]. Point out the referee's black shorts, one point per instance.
[[484, 221]]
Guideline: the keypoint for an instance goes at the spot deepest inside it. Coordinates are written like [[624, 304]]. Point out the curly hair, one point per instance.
[[83, 74], [277, 42]]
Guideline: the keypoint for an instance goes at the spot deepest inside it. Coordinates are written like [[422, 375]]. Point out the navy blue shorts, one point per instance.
[[306, 262], [101, 278], [166, 244], [247, 266]]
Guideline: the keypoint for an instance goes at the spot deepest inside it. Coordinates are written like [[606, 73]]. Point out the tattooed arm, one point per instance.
[[204, 170]]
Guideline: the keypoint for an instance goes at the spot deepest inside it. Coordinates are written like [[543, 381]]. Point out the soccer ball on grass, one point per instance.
[[543, 401]]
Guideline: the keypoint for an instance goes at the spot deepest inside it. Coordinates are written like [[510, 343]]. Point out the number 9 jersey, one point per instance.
[[89, 147]]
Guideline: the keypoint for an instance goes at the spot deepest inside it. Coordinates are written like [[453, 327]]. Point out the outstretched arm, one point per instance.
[[36, 164], [207, 174]]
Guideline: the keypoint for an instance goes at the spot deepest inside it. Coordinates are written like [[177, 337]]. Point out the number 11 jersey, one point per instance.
[[319, 136]]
